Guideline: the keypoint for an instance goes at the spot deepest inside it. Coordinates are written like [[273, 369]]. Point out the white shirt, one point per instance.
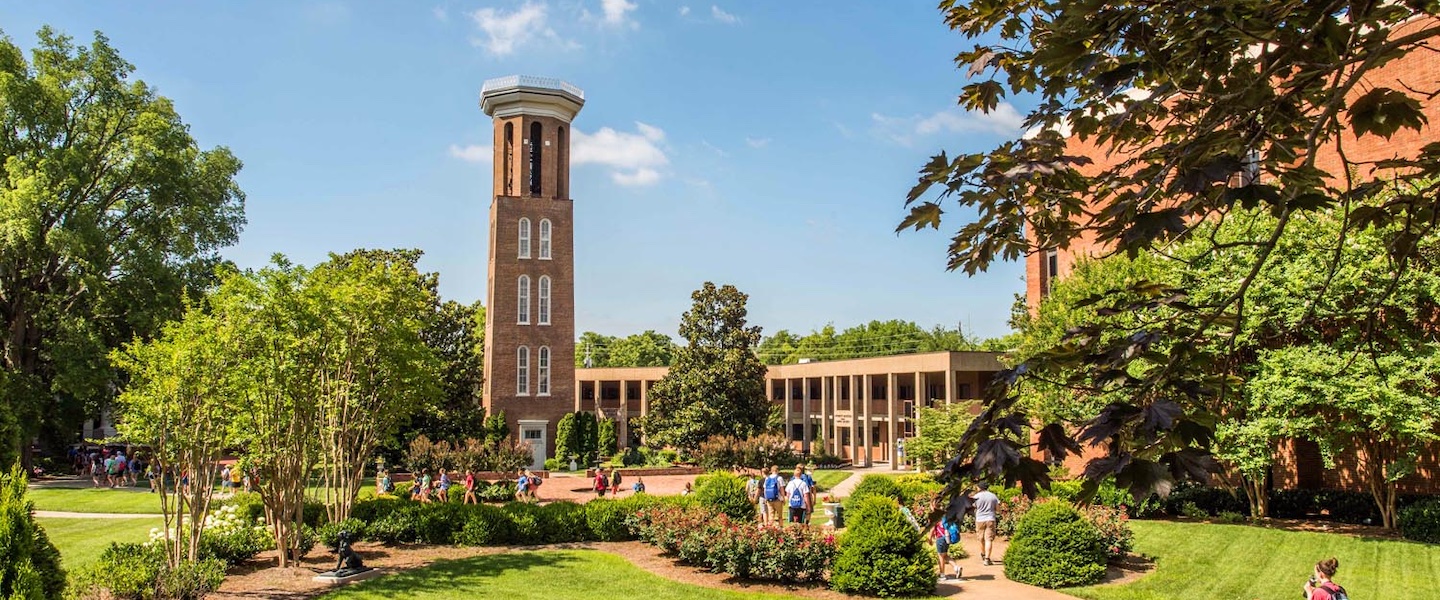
[[796, 484]]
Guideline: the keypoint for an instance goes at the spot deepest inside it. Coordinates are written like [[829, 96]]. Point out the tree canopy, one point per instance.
[[645, 349], [876, 338], [1153, 121], [110, 214], [716, 385]]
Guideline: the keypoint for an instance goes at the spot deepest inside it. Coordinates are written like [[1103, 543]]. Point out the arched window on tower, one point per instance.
[[522, 293], [522, 371], [536, 146], [544, 300], [524, 240], [507, 173], [542, 374], [544, 239]]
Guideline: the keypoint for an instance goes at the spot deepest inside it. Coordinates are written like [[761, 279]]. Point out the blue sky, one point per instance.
[[764, 144]]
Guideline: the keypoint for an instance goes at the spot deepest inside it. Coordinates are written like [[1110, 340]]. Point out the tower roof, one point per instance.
[[529, 95]]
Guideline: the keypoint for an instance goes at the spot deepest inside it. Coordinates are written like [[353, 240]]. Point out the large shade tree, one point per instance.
[[1197, 108], [109, 213], [716, 385]]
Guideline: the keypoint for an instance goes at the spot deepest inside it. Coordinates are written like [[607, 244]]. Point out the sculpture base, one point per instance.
[[344, 576]]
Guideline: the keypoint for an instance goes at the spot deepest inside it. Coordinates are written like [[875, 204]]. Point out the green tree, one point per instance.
[[1197, 111], [110, 213], [456, 335], [716, 385], [648, 349], [938, 435], [778, 348], [375, 367], [178, 403], [29, 563], [594, 348], [567, 440], [607, 441]]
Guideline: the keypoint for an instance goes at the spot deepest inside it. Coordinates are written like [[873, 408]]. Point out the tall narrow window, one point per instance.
[[544, 300], [524, 244], [508, 174], [542, 375], [522, 371], [522, 294], [544, 239], [536, 144]]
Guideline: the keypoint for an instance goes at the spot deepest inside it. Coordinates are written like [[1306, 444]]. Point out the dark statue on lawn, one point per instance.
[[348, 563]]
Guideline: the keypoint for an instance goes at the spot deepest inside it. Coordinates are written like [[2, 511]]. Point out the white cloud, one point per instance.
[[757, 142], [714, 148], [472, 153], [1004, 121], [684, 10], [616, 12], [723, 16], [505, 31], [635, 158], [639, 177]]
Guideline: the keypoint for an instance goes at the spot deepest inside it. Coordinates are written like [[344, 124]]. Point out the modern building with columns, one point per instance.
[[857, 408]]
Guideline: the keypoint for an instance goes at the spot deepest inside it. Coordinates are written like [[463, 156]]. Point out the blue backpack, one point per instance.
[[772, 487], [797, 500], [952, 532]]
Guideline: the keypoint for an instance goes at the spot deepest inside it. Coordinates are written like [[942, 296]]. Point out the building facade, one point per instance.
[[860, 409], [530, 297]]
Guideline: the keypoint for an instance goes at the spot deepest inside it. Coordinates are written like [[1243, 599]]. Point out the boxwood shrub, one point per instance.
[[724, 493], [1421, 521], [1055, 546], [873, 485], [881, 553]]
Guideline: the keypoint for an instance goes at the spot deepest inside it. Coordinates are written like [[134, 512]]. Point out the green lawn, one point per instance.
[[539, 575], [826, 480], [1195, 560], [95, 500], [80, 541]]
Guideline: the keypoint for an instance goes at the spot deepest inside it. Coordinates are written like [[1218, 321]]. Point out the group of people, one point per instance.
[[945, 532], [108, 468], [612, 482], [773, 494], [234, 479], [429, 489]]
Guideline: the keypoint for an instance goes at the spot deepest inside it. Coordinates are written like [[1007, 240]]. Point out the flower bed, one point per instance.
[[741, 548]]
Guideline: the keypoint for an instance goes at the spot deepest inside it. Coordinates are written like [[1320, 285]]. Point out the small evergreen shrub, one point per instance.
[[565, 522], [1209, 500], [499, 492], [328, 535], [882, 554], [873, 485], [140, 572], [1421, 521], [1055, 546], [1230, 517], [606, 519], [485, 526], [527, 524], [29, 563], [724, 493], [1190, 509]]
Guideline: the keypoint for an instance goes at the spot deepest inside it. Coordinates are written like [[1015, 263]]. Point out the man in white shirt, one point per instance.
[[986, 505], [797, 495]]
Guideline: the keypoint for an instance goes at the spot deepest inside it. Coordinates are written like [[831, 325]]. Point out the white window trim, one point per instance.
[[545, 233], [522, 298], [524, 239], [542, 371], [522, 371], [543, 309]]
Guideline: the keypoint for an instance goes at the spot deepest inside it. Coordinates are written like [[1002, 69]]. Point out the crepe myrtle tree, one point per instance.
[[1200, 108]]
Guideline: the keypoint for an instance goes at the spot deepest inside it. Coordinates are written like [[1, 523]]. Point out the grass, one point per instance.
[[1195, 560], [826, 479], [81, 541], [96, 500], [542, 575]]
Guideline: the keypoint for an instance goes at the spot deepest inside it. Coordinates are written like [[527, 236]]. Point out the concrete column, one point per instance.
[[825, 413], [949, 386], [786, 397], [865, 442], [579, 391], [645, 398], [890, 428], [620, 428], [805, 419], [915, 403]]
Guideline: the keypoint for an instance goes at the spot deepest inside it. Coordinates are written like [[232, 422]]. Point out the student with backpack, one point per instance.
[[771, 489], [534, 485], [752, 493], [615, 480], [945, 533], [797, 493], [601, 483], [1320, 587]]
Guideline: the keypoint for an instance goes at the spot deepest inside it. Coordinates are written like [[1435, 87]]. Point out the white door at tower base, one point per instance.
[[534, 435]]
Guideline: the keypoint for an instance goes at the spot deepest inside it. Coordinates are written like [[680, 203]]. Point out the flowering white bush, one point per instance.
[[228, 536]]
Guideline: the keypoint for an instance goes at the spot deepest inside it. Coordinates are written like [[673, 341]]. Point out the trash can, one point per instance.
[[838, 521]]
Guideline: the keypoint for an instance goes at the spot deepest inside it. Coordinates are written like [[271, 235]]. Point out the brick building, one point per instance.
[[1299, 463]]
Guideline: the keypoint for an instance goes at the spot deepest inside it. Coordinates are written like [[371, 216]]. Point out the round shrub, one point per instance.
[[328, 535], [873, 485], [1421, 521], [564, 522], [882, 554], [1054, 546], [526, 520], [371, 510], [916, 485], [724, 493], [606, 519], [485, 526]]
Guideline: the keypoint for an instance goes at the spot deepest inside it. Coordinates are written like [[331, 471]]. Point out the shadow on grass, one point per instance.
[[451, 576]]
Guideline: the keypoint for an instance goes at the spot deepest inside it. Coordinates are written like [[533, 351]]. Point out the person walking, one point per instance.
[[944, 533], [771, 490], [797, 492], [752, 492], [615, 481], [470, 489], [1320, 586], [443, 486], [810, 482], [424, 484], [535, 485], [601, 483], [986, 505]]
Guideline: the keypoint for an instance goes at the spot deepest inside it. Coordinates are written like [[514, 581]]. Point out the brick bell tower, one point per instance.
[[530, 298]]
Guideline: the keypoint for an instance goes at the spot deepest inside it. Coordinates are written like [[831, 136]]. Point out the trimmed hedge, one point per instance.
[[792, 553], [1055, 546], [724, 493], [1421, 521], [395, 521], [882, 554], [871, 486]]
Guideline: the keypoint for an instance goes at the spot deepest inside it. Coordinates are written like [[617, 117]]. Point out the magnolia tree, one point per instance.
[[180, 403]]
